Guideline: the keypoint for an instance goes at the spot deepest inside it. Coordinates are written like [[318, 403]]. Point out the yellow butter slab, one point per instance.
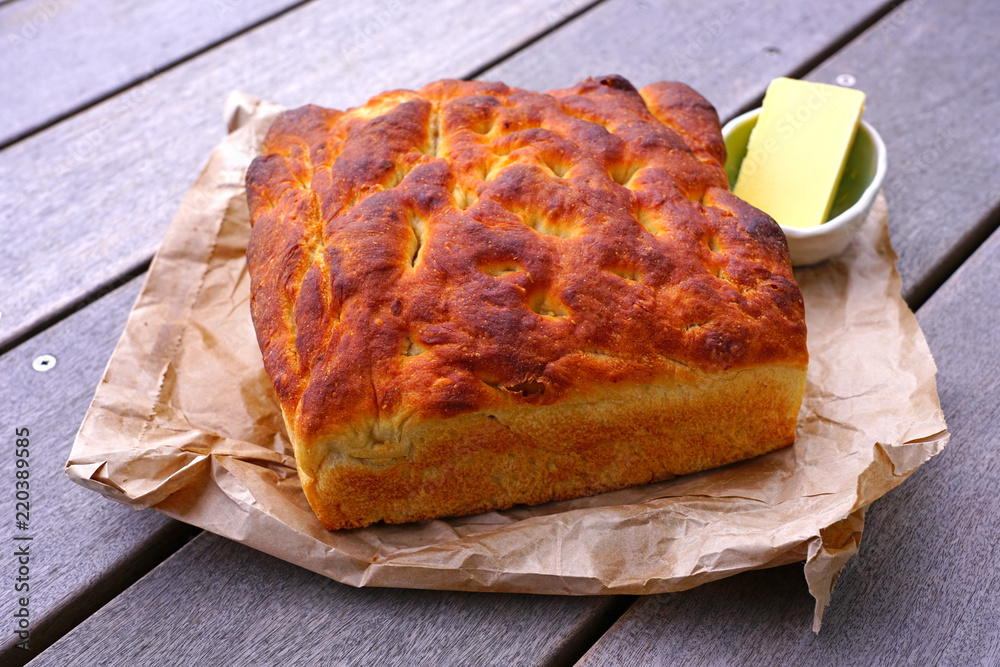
[[797, 151]]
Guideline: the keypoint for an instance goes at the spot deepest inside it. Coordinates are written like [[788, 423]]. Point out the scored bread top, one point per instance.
[[471, 245]]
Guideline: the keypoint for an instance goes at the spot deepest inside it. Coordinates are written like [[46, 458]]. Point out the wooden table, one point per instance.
[[107, 113]]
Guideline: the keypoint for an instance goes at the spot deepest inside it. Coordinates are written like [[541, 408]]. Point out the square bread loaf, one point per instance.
[[471, 296]]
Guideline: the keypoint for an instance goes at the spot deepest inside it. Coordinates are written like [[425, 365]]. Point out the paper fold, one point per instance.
[[185, 421]]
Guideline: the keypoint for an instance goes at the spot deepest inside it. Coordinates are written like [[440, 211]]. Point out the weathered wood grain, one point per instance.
[[219, 603], [925, 588], [98, 190], [59, 56], [84, 549], [728, 50]]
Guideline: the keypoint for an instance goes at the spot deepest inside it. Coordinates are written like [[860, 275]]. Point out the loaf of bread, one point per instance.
[[472, 296]]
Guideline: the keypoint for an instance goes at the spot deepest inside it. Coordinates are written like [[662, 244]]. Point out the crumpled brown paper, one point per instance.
[[185, 421]]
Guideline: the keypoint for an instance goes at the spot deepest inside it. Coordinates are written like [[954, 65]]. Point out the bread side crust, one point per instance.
[[416, 469]]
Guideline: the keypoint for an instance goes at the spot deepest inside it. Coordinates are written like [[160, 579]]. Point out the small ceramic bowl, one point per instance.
[[862, 179]]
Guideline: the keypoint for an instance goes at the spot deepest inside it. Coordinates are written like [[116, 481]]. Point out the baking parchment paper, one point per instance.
[[185, 421]]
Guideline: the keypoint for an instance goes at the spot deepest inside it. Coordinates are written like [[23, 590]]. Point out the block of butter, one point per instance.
[[797, 150]]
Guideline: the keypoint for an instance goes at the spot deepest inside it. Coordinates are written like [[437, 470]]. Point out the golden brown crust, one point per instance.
[[433, 258]]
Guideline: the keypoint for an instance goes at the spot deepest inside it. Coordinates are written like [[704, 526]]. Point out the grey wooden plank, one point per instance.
[[728, 50], [925, 588], [84, 549], [216, 602], [960, 321], [59, 55], [98, 190]]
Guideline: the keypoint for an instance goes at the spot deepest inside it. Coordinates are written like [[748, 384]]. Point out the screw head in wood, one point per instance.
[[43, 363]]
